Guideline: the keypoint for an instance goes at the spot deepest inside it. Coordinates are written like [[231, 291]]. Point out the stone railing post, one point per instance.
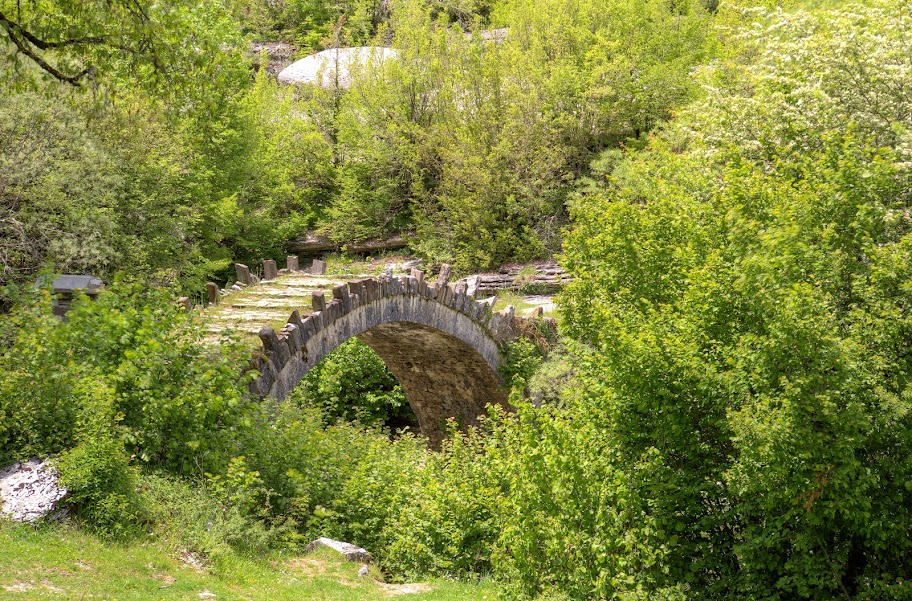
[[270, 270], [243, 274]]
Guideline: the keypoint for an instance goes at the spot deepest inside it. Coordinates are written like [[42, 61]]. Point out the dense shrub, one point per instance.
[[191, 515], [449, 525], [354, 384], [125, 376], [741, 283]]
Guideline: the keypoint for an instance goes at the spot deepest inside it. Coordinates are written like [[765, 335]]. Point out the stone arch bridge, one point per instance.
[[441, 344]]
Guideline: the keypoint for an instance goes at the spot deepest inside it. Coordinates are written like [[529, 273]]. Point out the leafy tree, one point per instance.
[[134, 40], [740, 283], [474, 144]]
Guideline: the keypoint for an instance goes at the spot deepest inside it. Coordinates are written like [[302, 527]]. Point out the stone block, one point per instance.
[[243, 274], [332, 312], [291, 263], [479, 310], [276, 350], [340, 293], [468, 306], [293, 338], [443, 277], [349, 551], [270, 270], [307, 328], [185, 303], [418, 275], [212, 293], [318, 267], [267, 371], [448, 293], [472, 285], [318, 300], [295, 318], [30, 491]]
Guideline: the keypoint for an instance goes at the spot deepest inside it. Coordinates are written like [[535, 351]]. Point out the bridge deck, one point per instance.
[[269, 303]]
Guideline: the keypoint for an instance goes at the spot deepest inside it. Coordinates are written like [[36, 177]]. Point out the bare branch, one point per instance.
[[44, 44], [14, 31]]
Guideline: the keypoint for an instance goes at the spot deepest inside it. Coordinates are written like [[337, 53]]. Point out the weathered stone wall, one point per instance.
[[439, 342], [543, 277]]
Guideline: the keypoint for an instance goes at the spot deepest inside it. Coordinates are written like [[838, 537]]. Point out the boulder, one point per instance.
[[349, 551], [336, 67], [29, 491]]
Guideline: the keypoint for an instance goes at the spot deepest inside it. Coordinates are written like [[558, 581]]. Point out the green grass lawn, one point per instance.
[[58, 562]]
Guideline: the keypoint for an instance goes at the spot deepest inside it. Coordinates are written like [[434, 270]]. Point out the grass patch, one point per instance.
[[60, 562], [520, 303], [343, 264]]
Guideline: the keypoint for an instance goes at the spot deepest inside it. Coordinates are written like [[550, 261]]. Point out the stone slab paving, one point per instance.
[[270, 302]]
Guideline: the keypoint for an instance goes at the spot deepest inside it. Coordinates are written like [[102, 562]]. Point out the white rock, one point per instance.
[[349, 551], [333, 68], [29, 491]]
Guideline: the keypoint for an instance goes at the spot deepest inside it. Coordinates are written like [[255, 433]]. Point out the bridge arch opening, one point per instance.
[[353, 383], [442, 376]]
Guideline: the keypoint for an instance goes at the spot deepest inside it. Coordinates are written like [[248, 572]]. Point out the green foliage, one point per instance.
[[301, 465], [521, 358], [448, 526], [376, 488], [100, 481], [281, 172], [176, 402], [470, 144], [473, 144], [554, 377], [194, 517], [354, 384], [137, 42], [740, 284], [572, 521]]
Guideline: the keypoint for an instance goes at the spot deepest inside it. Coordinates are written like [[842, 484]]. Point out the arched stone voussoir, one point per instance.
[[437, 341]]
